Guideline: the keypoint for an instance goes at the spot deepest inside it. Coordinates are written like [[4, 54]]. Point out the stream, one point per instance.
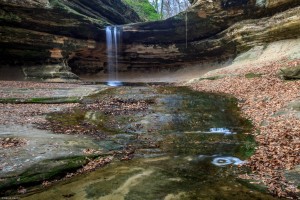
[[187, 145]]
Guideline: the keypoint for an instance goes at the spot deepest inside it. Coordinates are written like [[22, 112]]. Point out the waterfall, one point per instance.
[[113, 39], [186, 29]]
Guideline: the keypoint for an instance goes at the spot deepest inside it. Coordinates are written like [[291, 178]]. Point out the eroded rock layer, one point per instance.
[[211, 30], [44, 33], [237, 38]]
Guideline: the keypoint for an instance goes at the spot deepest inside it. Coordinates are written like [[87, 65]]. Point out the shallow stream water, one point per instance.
[[197, 144]]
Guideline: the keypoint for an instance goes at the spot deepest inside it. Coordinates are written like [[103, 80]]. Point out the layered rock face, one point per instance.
[[38, 34], [211, 30]]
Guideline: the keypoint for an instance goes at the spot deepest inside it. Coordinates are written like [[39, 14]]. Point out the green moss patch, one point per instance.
[[252, 75], [212, 78], [48, 100], [292, 73], [45, 170]]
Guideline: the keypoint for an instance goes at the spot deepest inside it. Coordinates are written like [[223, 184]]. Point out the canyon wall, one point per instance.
[[41, 36], [210, 31], [51, 39]]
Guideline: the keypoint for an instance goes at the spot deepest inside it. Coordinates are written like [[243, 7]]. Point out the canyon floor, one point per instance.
[[271, 103]]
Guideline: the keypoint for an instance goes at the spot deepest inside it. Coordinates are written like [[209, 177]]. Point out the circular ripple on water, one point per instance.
[[228, 160]]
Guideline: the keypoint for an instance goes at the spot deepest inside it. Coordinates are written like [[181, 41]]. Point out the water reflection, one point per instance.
[[226, 131], [114, 83], [219, 160], [226, 160]]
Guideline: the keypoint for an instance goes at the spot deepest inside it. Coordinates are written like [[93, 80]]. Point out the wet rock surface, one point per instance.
[[162, 178], [291, 74], [41, 145], [30, 155], [164, 131]]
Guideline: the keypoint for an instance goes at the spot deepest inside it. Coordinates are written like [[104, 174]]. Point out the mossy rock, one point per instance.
[[294, 177], [45, 170], [290, 73], [47, 100], [212, 78], [252, 75]]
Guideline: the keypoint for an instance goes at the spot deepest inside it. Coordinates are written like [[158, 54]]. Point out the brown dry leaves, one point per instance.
[[94, 164], [91, 151], [90, 166], [108, 106], [117, 106], [29, 84], [38, 89], [259, 99], [12, 142], [28, 113]]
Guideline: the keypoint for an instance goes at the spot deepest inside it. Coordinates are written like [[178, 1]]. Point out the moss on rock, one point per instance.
[[45, 170], [290, 73]]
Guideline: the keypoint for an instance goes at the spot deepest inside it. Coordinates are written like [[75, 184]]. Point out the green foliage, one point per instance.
[[144, 9]]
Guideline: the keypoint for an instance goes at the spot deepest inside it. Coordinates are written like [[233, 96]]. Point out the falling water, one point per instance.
[[186, 29], [113, 36]]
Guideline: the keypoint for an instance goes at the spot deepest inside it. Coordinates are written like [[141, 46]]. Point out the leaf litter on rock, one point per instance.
[[259, 99]]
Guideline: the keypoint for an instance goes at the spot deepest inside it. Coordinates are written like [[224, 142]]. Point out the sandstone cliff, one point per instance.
[[38, 34], [215, 30], [60, 36]]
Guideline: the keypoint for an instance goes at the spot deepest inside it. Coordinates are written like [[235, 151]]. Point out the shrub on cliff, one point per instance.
[[144, 9]]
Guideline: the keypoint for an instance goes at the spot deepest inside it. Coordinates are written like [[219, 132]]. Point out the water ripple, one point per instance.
[[223, 161]]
